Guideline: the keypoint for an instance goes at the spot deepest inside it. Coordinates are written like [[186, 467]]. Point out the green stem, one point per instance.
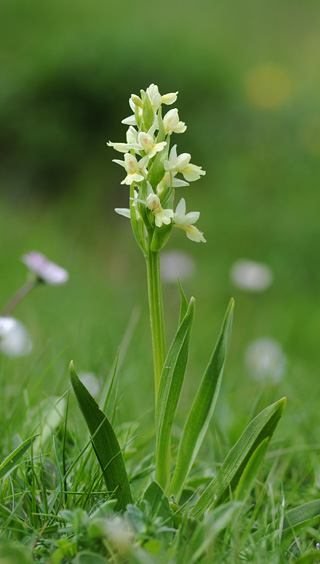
[[156, 315], [16, 299]]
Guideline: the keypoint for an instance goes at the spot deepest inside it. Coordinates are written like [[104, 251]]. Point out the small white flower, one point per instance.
[[46, 270], [131, 120], [175, 264], [182, 164], [147, 144], [166, 182], [136, 170], [15, 340], [156, 99], [160, 215], [132, 142], [172, 124], [265, 360], [125, 212], [185, 221], [251, 276]]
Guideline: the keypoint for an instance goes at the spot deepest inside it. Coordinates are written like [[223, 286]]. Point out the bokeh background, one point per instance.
[[248, 78]]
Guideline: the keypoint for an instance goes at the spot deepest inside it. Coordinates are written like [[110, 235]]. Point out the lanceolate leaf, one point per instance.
[[169, 392], [302, 514], [184, 302], [250, 472], [12, 460], [262, 426], [105, 443], [202, 409]]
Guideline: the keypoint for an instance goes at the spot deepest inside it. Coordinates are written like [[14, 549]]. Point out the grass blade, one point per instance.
[[250, 472], [305, 515], [184, 302], [202, 409], [169, 392], [105, 443], [261, 427], [11, 462]]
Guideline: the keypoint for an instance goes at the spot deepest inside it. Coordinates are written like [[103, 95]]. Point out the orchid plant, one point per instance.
[[153, 171], [152, 174]]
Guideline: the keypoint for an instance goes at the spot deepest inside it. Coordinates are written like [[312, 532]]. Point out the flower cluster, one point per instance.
[[151, 169]]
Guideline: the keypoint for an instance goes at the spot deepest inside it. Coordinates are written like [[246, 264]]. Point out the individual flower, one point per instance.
[[132, 120], [147, 144], [132, 142], [160, 215], [170, 180], [182, 164], [176, 264], [15, 340], [265, 360], [125, 212], [251, 276], [172, 124], [45, 270], [156, 99], [136, 170], [185, 221]]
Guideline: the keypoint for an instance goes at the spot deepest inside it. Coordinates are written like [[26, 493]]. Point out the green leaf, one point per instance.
[[158, 502], [262, 426], [137, 224], [105, 443], [169, 392], [160, 237], [302, 514], [147, 113], [202, 409], [11, 462], [156, 172], [184, 302], [298, 518], [250, 472], [214, 523], [162, 134]]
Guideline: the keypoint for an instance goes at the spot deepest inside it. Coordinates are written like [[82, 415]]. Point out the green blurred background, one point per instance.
[[248, 78]]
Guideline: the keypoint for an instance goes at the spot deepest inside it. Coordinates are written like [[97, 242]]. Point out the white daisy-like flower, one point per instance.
[[265, 360], [174, 265], [15, 340], [45, 270], [251, 276], [185, 221]]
